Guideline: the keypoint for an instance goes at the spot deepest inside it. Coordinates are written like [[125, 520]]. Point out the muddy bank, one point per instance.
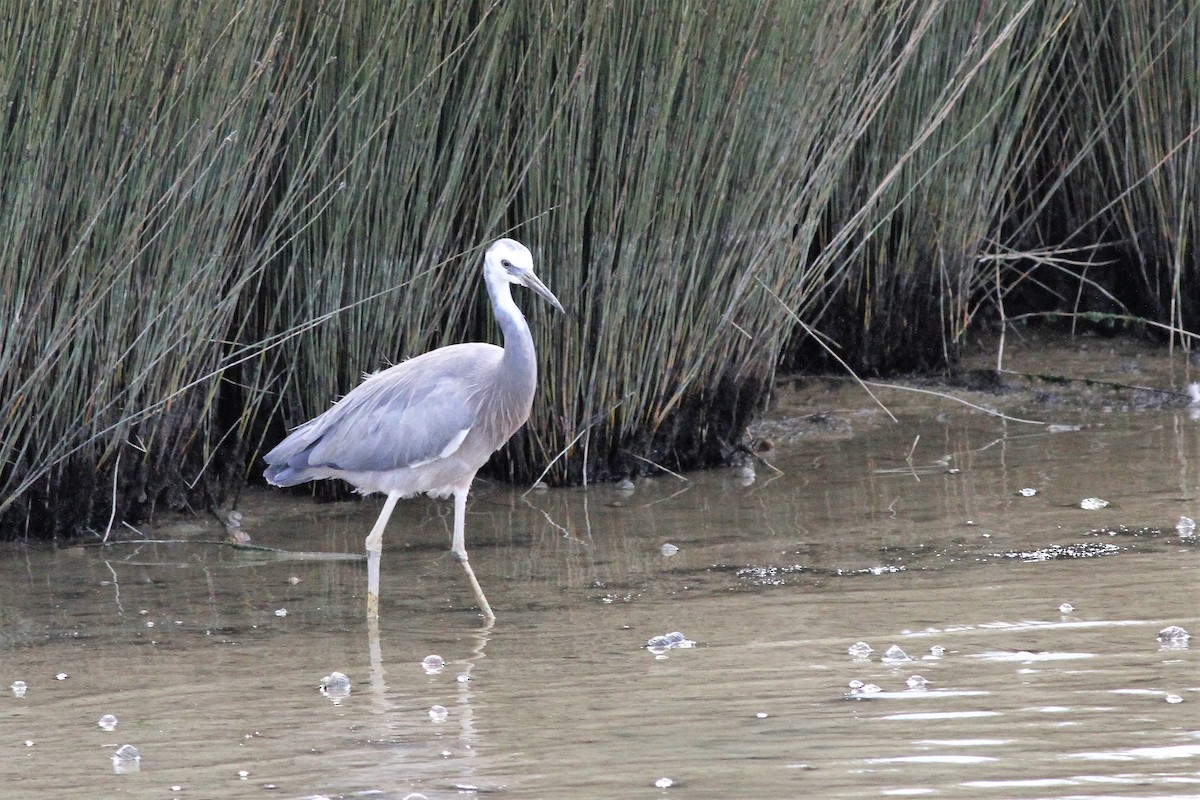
[[1043, 377]]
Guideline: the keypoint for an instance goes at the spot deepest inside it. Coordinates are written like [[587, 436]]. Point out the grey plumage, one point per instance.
[[426, 425]]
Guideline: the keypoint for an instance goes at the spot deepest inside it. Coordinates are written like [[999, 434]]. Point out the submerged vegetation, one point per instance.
[[215, 216]]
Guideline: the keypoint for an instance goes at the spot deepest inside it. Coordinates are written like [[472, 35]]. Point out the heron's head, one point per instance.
[[507, 260]]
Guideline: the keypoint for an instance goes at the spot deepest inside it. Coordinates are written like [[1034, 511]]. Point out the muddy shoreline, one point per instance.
[[1045, 378]]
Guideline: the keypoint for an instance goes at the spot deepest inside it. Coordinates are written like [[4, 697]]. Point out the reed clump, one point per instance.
[[1119, 187], [215, 218]]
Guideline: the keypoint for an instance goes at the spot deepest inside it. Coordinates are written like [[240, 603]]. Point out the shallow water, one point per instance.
[[774, 580]]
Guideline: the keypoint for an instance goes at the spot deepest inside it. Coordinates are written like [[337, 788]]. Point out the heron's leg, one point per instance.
[[459, 548], [374, 551]]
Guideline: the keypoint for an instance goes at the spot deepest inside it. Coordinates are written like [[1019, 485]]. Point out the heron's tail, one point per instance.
[[283, 475], [287, 463]]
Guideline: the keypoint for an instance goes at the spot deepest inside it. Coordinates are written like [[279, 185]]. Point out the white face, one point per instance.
[[511, 259]]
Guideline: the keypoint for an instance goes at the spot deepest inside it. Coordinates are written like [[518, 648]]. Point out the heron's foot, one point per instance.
[[460, 555]]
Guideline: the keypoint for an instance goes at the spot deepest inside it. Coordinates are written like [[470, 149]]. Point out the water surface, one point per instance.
[[861, 537]]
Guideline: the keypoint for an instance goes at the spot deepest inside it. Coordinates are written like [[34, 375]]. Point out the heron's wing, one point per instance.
[[412, 413]]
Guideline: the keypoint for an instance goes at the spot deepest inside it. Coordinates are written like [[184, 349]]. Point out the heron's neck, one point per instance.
[[519, 358]]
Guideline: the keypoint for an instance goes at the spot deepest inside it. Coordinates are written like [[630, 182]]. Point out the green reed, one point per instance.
[[1144, 107], [216, 218]]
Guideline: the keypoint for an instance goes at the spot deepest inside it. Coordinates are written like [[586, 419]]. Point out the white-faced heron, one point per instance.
[[429, 423]]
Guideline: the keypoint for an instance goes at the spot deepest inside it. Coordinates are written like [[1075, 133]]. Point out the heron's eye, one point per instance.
[[506, 264]]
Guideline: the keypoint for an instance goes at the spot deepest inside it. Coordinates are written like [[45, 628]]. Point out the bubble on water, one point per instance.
[[415, 796], [745, 474], [895, 654], [29, 742], [149, 623], [281, 612], [438, 713], [1066, 608], [669, 549], [433, 664], [670, 641], [916, 682], [176, 788], [464, 678], [664, 783], [19, 688], [127, 752], [625, 485], [1027, 492], [1173, 698], [1186, 526], [108, 722], [243, 774], [127, 759], [62, 676], [860, 650], [295, 580], [762, 715], [937, 651], [1173, 634], [335, 686], [658, 645], [1093, 503], [857, 691]]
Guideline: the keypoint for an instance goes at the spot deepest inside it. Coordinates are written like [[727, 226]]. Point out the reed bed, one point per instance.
[[1139, 115], [850, 167], [132, 145], [217, 217]]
